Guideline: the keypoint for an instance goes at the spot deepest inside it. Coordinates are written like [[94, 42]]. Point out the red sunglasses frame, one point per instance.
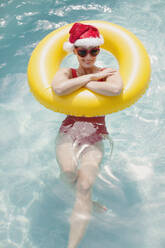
[[87, 51]]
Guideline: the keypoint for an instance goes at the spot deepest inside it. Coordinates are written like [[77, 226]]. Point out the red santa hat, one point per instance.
[[83, 35]]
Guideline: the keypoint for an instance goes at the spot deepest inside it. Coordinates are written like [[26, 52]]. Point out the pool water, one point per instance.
[[34, 204]]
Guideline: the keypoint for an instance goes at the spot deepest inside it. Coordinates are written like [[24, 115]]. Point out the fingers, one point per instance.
[[106, 73], [103, 74], [109, 71]]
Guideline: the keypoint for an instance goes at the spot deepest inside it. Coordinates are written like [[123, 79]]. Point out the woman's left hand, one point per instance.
[[103, 74]]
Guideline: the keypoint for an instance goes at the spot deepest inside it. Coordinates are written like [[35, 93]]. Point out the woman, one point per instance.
[[79, 147]]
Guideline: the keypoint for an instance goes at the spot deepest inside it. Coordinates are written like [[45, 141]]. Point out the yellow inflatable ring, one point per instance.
[[134, 66]]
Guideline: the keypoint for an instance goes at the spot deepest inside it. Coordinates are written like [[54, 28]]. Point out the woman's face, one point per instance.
[[86, 56]]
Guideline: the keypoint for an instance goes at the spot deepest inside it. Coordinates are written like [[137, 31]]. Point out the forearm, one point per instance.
[[104, 88], [70, 85]]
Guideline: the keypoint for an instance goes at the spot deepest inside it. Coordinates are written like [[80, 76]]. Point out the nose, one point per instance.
[[88, 55]]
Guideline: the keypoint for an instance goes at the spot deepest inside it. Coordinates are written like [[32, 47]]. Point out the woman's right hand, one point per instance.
[[102, 74]]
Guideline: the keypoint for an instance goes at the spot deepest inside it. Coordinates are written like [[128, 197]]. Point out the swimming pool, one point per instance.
[[34, 204]]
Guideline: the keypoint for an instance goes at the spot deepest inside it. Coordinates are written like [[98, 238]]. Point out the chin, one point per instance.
[[88, 65]]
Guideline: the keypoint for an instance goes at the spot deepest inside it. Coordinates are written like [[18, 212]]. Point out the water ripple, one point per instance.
[[3, 23], [3, 65], [48, 25], [65, 10]]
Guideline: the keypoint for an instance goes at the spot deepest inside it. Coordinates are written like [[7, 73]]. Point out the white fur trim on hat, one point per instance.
[[86, 42], [89, 42]]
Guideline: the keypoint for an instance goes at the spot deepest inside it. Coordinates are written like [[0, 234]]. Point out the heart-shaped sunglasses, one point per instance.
[[82, 52]]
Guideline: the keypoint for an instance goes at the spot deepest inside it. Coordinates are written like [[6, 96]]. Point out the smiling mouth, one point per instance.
[[88, 62]]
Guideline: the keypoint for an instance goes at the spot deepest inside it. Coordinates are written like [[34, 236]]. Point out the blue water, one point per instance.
[[34, 204]]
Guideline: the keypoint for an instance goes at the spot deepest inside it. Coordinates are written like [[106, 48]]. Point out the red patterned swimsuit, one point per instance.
[[84, 129]]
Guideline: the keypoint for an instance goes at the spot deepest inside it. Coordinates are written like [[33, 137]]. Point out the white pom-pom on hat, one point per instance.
[[68, 46]]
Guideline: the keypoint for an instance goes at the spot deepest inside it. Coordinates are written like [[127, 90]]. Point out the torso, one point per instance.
[[84, 129]]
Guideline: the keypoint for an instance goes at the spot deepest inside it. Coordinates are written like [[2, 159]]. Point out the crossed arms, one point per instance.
[[64, 84]]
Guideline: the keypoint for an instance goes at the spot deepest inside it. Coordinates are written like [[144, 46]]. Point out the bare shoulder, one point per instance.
[[61, 75], [63, 72]]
